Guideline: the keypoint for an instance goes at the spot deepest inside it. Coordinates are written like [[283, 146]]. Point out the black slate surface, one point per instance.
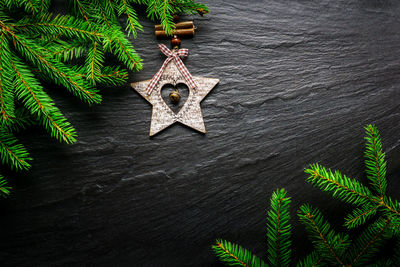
[[299, 80]]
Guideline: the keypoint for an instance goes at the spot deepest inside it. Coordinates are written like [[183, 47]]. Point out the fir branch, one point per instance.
[[325, 240], [94, 62], [6, 90], [4, 188], [107, 12], [82, 8], [388, 206], [112, 38], [190, 7], [109, 75], [30, 92], [375, 160], [113, 76], [61, 25], [395, 225], [132, 22], [278, 227], [360, 215], [123, 49], [44, 6], [21, 121], [368, 243], [162, 10], [67, 51], [27, 5], [235, 255], [341, 187], [56, 71], [125, 52], [61, 50], [312, 260], [11, 152], [165, 11]]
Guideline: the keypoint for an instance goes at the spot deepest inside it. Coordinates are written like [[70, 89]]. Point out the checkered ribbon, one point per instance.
[[172, 55]]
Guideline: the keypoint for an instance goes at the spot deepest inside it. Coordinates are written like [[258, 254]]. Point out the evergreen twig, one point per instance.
[[279, 229], [4, 188], [235, 255]]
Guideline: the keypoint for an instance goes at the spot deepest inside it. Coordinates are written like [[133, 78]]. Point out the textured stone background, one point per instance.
[[299, 80]]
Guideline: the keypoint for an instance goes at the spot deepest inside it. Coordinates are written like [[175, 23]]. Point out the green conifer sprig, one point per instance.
[[329, 247], [369, 243], [235, 255], [279, 229], [55, 70], [354, 192], [6, 93], [324, 238], [375, 160], [37, 46], [13, 153], [4, 188], [29, 91], [132, 23], [360, 215], [341, 187], [94, 62], [189, 7], [313, 259]]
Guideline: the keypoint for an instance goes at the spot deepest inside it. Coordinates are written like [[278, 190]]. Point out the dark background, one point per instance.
[[299, 80]]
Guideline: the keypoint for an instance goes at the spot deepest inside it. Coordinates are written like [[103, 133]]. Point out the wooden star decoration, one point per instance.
[[190, 114]]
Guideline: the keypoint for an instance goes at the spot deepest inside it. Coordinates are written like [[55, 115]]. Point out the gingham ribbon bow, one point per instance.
[[172, 55]]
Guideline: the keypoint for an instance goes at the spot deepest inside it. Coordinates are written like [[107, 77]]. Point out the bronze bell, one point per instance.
[[175, 96]]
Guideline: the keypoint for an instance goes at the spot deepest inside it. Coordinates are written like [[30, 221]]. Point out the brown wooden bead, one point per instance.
[[175, 42]]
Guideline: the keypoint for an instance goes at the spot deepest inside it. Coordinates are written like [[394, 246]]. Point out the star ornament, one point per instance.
[[190, 114]]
